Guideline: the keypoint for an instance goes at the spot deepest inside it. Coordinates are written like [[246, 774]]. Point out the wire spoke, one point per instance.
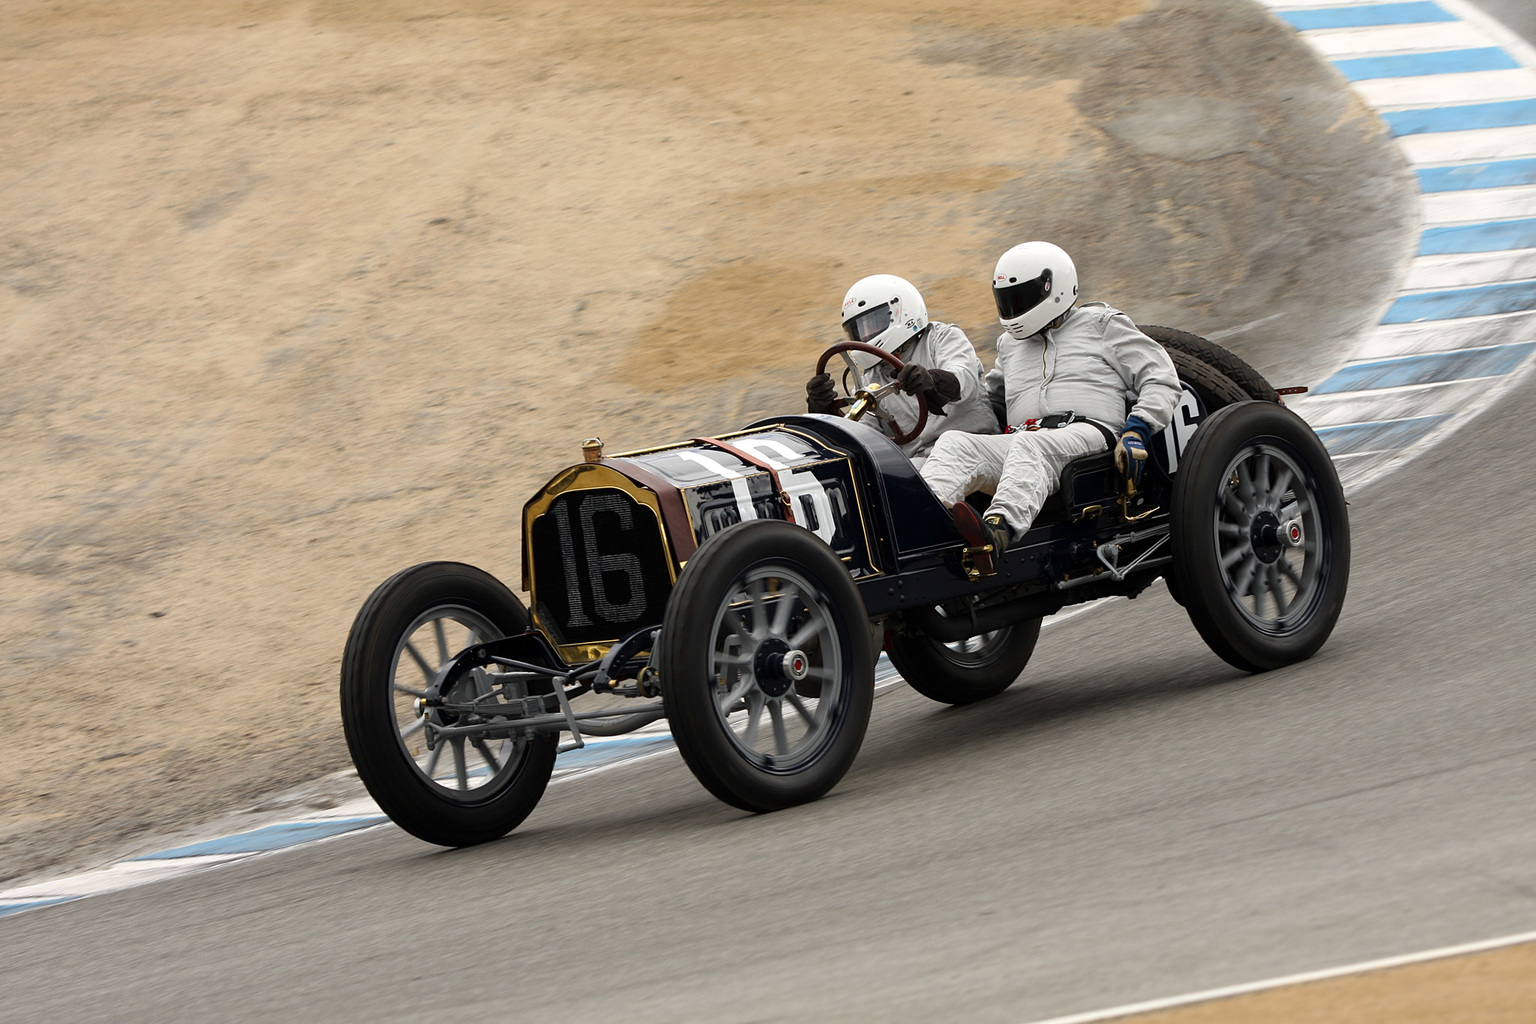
[[1290, 571], [756, 591], [1277, 591], [1261, 489], [490, 758], [1282, 485], [1234, 556], [780, 735], [421, 663], [414, 728], [1244, 582], [459, 769], [431, 765], [781, 612], [812, 626], [1233, 505], [754, 718], [1230, 530], [442, 640], [800, 708], [407, 689]]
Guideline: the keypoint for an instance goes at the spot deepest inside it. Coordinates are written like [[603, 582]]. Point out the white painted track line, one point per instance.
[[1363, 967]]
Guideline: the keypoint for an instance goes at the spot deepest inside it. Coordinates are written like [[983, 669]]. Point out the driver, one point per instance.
[[888, 312], [1066, 371]]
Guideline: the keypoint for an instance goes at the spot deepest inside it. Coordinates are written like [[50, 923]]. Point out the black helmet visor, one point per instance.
[[1017, 299], [868, 324]]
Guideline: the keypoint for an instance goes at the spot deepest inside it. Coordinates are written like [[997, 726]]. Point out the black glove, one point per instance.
[[940, 387], [915, 379], [821, 395]]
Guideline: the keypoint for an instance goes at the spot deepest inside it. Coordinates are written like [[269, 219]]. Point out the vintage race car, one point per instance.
[[743, 587]]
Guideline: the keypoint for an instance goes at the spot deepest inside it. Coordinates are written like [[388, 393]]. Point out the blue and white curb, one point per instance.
[[1457, 91], [600, 754], [352, 816]]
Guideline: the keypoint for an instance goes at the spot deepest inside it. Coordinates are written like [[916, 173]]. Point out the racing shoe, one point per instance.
[[980, 543], [999, 533]]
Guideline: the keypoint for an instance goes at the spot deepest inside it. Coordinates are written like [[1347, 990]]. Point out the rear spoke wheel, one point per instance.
[[963, 671], [1259, 537]]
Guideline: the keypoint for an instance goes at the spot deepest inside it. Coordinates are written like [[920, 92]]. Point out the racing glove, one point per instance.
[[940, 387], [821, 395], [1131, 450]]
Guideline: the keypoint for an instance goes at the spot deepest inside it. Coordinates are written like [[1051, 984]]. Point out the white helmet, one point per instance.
[[1034, 284], [885, 311]]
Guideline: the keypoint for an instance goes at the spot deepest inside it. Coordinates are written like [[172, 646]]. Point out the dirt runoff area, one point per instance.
[[293, 295]]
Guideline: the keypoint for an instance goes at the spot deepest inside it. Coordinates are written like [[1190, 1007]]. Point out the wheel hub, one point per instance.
[[1265, 536], [777, 667]]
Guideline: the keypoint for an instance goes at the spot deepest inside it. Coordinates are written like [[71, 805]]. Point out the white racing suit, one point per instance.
[[940, 347], [1089, 365]]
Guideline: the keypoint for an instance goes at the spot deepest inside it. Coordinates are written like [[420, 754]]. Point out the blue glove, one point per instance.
[[1131, 451]]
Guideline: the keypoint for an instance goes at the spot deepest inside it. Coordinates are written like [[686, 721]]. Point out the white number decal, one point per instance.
[[1175, 437], [803, 483], [797, 483], [744, 508]]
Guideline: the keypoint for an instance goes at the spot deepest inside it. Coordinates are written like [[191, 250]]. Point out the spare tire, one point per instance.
[[1228, 364]]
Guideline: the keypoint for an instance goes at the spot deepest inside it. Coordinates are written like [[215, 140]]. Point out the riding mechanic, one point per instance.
[[1066, 371], [940, 364]]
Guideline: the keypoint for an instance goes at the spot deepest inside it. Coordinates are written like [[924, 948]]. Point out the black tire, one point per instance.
[[372, 691], [1250, 471], [1228, 364], [953, 675], [1216, 389], [714, 663]]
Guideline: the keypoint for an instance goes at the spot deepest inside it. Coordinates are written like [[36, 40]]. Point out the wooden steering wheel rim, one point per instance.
[[896, 364]]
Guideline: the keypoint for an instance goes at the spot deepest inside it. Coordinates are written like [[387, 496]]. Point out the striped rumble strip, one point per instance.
[[1457, 91]]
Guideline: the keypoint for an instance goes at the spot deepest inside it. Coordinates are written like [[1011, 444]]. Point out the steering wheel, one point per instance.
[[866, 396]]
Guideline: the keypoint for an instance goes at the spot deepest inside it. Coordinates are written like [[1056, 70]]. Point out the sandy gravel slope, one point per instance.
[[295, 294]]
